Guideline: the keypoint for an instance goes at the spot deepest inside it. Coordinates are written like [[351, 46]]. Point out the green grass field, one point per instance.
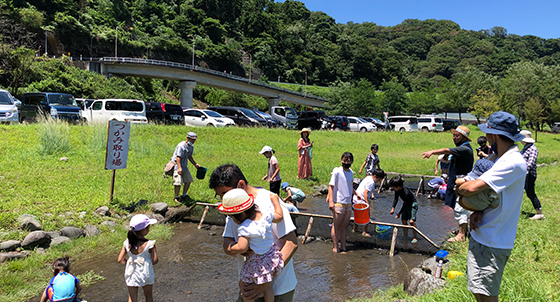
[[34, 181]]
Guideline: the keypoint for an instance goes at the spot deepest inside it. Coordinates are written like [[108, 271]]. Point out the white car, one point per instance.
[[201, 118], [404, 123], [430, 123], [359, 124], [9, 111]]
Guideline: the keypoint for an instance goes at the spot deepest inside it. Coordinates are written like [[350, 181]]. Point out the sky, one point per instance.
[[538, 18]]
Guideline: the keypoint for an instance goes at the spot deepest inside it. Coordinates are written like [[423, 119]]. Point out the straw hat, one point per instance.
[[528, 138], [305, 130], [236, 201], [464, 131]]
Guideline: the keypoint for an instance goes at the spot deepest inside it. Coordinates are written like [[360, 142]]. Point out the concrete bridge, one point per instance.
[[189, 75]]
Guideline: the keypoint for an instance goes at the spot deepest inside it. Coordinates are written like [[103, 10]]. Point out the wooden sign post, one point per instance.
[[116, 154]]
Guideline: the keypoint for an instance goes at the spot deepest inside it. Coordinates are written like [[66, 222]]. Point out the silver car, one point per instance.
[[9, 111], [555, 127]]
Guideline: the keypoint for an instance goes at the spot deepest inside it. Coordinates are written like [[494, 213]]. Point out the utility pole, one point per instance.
[[192, 65], [46, 41], [116, 37]]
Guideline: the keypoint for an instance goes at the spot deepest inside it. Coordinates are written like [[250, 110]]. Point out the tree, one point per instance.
[[534, 113], [394, 95], [467, 84], [484, 103]]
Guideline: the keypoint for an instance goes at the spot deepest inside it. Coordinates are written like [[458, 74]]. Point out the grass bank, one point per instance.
[[34, 181]]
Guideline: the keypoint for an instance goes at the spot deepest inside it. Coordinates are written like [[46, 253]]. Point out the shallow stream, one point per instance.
[[193, 266]]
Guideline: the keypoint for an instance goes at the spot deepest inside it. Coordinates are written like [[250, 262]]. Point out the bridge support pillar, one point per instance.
[[187, 93], [272, 102]]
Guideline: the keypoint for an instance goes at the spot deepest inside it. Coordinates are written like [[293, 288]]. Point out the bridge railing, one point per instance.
[[207, 71]]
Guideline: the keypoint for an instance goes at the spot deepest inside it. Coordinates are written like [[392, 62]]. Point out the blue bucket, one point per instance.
[[383, 232]]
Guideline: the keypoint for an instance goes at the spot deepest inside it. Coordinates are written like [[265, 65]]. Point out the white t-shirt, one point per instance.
[[342, 185], [286, 280], [507, 178], [259, 232], [366, 184]]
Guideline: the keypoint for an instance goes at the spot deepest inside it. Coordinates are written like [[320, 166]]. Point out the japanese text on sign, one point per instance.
[[116, 154]]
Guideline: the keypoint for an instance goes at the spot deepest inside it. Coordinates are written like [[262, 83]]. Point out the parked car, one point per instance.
[[9, 110], [154, 113], [358, 124], [286, 115], [336, 123], [172, 113], [555, 127], [404, 123], [102, 111], [241, 116], [56, 105], [430, 123], [271, 123], [311, 119], [377, 122], [84, 103], [449, 124], [201, 118]]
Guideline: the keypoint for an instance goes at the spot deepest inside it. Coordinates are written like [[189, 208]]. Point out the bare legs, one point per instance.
[[339, 230]]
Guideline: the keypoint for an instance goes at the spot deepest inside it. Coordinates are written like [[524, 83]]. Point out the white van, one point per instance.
[[102, 111], [404, 123]]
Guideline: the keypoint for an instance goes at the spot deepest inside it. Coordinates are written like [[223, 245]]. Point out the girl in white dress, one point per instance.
[[255, 234], [142, 256]]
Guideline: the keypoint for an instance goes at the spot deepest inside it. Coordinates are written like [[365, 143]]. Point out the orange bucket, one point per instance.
[[361, 213]]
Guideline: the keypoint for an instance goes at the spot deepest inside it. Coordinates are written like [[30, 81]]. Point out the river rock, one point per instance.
[[64, 158], [141, 202], [28, 222], [159, 208], [60, 239], [13, 255], [419, 282], [54, 234], [103, 211], [10, 245], [36, 239], [430, 265], [72, 232], [321, 190], [91, 230], [157, 217], [109, 223]]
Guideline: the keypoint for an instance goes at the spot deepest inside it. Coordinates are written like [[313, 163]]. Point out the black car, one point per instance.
[[311, 119], [241, 116], [154, 113], [377, 122], [449, 124], [172, 113], [270, 122], [337, 123]]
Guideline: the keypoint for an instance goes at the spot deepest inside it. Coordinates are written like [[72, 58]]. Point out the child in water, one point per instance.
[[295, 195], [409, 208], [255, 234], [63, 286], [142, 256]]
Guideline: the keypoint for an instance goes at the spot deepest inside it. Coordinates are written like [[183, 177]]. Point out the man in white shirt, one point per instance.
[[494, 229], [229, 176]]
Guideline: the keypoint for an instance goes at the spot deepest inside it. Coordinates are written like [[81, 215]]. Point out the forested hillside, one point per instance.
[[440, 65]]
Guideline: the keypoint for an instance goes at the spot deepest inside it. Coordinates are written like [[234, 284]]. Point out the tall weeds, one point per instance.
[[54, 136]]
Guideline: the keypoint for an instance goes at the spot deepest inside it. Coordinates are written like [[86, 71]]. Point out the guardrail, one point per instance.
[[204, 70]]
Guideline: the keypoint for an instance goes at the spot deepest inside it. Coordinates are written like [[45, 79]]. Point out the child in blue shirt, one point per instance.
[[63, 286]]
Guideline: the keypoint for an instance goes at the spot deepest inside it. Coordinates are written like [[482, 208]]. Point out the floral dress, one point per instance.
[[266, 260], [139, 268]]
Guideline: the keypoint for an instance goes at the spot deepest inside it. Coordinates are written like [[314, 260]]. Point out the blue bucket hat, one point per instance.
[[502, 123], [284, 185], [482, 165]]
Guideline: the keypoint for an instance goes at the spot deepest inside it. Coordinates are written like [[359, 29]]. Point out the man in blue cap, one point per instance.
[[494, 229]]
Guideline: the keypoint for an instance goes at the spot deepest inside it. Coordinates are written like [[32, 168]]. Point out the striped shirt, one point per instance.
[[530, 154]]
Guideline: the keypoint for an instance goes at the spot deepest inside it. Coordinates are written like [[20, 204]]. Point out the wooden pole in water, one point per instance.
[[381, 185], [307, 231], [420, 185], [203, 216], [393, 242]]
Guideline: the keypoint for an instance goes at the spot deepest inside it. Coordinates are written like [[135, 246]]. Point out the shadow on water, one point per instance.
[[193, 266]]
